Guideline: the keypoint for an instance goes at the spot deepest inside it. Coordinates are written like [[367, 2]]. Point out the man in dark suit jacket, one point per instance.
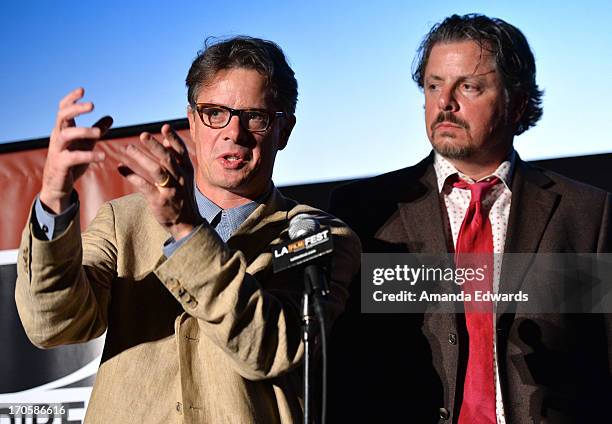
[[478, 77]]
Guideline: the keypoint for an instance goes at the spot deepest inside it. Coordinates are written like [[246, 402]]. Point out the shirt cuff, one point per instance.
[[51, 225], [171, 245]]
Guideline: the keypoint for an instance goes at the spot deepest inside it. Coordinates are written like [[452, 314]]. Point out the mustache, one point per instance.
[[445, 116]]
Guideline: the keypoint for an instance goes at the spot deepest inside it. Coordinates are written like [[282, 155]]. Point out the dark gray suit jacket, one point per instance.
[[407, 368]]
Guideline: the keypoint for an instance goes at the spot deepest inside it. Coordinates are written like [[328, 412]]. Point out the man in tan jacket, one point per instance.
[[199, 328]]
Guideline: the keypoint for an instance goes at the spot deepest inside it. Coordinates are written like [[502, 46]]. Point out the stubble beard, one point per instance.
[[445, 142], [448, 149]]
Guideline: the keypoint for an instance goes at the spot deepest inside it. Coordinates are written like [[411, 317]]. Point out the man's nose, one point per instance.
[[447, 101], [234, 129]]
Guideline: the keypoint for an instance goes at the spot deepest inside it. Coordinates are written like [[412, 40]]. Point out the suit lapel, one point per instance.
[[264, 221], [530, 212], [422, 218], [418, 222], [531, 209]]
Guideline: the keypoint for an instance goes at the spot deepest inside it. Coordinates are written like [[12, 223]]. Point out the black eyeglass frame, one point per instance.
[[238, 112]]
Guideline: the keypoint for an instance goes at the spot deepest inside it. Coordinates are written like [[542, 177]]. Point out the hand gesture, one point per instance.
[[163, 173], [70, 151]]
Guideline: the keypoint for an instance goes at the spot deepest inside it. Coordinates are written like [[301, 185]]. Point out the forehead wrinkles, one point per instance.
[[467, 58]]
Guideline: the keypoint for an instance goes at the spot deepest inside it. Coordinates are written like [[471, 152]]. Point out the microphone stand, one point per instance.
[[308, 338], [315, 287]]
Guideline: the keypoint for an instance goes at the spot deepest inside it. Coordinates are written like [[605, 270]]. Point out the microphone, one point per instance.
[[302, 224], [310, 242]]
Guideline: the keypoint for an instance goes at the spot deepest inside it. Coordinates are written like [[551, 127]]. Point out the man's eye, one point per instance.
[[255, 116], [214, 114], [470, 87]]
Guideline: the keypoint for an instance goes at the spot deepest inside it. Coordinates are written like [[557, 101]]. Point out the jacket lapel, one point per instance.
[[418, 224], [264, 221], [530, 212], [423, 219], [531, 209]]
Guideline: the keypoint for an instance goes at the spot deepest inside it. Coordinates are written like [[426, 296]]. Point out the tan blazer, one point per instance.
[[209, 335]]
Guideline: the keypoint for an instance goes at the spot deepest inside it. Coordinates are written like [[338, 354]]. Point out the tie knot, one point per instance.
[[478, 189]]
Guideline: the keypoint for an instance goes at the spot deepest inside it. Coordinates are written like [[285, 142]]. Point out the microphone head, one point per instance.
[[301, 225]]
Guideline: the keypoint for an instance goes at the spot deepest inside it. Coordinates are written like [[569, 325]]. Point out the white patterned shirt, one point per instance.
[[497, 202]]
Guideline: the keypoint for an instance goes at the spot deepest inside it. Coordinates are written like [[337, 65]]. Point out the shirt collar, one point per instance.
[[209, 210], [445, 169]]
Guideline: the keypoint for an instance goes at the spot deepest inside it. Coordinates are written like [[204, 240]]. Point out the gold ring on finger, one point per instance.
[[165, 181]]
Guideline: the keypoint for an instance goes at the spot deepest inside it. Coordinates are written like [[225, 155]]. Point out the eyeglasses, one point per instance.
[[254, 120]]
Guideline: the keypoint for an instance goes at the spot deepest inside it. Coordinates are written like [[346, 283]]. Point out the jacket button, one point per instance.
[[179, 407], [444, 414], [452, 338], [191, 302]]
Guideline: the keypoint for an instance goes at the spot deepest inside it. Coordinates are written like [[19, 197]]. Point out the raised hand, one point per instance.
[[163, 173], [70, 151]]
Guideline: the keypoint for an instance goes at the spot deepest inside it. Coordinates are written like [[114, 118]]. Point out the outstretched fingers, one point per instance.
[[173, 141]]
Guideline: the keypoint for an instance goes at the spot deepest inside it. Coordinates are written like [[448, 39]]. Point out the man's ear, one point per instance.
[[285, 131], [519, 105]]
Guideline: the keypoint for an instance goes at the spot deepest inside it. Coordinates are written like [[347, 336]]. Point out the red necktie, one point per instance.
[[476, 236]]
